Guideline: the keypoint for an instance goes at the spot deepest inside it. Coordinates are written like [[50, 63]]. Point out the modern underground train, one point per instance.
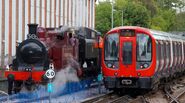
[[141, 58]]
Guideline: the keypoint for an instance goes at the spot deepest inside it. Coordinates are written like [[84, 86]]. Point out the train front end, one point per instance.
[[128, 59], [30, 64]]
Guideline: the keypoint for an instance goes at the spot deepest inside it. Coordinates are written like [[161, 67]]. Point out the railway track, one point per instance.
[[114, 98], [174, 98], [98, 98], [3, 84], [122, 99]]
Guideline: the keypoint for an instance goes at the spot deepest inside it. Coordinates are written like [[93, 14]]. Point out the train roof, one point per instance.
[[160, 35], [128, 27]]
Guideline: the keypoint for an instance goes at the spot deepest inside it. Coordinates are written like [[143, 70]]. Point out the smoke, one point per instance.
[[68, 74], [60, 83], [64, 29]]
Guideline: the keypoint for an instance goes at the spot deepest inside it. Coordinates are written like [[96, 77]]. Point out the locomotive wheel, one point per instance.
[[17, 86], [10, 86], [30, 86]]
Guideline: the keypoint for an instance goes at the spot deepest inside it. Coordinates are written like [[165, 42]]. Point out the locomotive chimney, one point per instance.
[[32, 28]]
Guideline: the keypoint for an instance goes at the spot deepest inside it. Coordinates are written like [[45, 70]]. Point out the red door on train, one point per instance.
[[127, 53]]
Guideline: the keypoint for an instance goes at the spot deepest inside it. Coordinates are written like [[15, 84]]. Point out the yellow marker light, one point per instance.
[[139, 74], [115, 73]]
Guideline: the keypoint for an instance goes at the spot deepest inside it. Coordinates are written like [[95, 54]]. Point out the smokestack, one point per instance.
[[32, 28]]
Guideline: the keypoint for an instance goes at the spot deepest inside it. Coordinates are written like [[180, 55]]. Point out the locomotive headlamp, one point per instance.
[[7, 68], [51, 66]]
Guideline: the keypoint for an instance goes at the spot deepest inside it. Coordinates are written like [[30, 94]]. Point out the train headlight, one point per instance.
[[145, 65], [109, 65], [112, 65], [141, 67]]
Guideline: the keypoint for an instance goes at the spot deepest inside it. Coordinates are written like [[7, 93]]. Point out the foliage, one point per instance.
[[179, 22], [103, 17], [133, 14], [154, 14]]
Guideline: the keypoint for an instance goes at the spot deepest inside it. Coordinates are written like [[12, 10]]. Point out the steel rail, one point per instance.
[[169, 95], [8, 98], [178, 96], [123, 99], [96, 98]]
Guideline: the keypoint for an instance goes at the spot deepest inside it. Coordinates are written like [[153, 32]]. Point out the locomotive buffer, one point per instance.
[[50, 73]]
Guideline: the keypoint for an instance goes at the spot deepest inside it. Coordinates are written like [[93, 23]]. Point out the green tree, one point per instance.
[[169, 4], [134, 14], [103, 17], [179, 22], [150, 5], [154, 14]]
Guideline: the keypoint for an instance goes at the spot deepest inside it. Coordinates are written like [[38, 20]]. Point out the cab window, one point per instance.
[[144, 47]]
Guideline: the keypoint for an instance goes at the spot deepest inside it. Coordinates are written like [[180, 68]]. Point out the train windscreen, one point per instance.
[[144, 47], [111, 46]]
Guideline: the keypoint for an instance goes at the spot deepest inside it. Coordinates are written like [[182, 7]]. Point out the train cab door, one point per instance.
[[127, 53]]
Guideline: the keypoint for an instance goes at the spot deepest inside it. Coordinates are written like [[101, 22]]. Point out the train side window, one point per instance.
[[144, 45], [157, 50], [173, 49], [166, 50], [184, 53], [177, 49], [169, 51], [162, 51], [88, 34], [93, 35], [180, 51]]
